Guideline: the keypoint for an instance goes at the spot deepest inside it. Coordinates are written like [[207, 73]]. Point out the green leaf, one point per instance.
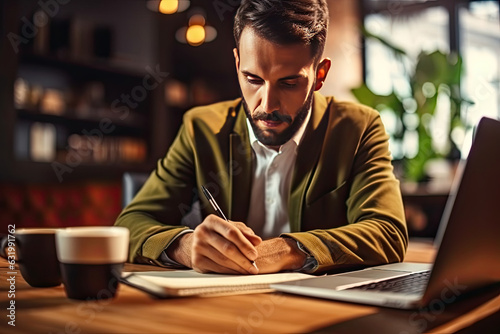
[[366, 96], [415, 167], [392, 47]]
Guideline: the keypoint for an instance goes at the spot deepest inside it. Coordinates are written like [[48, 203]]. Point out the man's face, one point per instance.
[[277, 83]]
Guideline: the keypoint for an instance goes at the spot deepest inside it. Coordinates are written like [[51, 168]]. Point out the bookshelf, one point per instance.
[[76, 107], [67, 108]]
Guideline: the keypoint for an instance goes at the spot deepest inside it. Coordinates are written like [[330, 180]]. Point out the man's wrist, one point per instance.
[[309, 262], [180, 250], [297, 258]]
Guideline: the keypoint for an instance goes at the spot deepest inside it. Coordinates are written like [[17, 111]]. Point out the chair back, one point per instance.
[[132, 183]]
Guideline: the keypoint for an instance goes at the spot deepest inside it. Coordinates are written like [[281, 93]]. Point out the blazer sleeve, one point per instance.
[[154, 215], [374, 231]]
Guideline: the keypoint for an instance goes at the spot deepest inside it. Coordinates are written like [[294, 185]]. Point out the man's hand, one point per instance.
[[279, 254], [274, 255], [217, 246]]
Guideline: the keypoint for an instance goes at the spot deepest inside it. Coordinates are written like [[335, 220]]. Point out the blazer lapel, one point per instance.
[[307, 159], [240, 167]]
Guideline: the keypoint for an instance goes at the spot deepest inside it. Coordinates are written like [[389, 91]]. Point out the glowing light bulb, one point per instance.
[[195, 34], [168, 6], [197, 19]]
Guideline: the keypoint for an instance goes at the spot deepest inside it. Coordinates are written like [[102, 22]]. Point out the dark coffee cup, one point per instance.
[[35, 253], [91, 260]]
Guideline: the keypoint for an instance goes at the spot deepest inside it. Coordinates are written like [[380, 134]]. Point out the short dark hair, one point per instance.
[[285, 22]]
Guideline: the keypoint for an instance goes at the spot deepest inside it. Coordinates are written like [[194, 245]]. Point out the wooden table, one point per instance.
[[47, 310]]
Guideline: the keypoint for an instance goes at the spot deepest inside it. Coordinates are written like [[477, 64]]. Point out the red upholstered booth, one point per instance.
[[62, 205]]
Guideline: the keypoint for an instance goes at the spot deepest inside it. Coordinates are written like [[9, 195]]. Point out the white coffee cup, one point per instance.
[[92, 259]]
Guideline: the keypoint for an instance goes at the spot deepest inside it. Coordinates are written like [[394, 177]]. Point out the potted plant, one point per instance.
[[433, 82]]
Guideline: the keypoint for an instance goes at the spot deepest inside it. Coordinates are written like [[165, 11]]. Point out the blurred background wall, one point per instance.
[[93, 89]]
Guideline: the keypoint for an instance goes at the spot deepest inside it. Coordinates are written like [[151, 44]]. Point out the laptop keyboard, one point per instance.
[[410, 284]]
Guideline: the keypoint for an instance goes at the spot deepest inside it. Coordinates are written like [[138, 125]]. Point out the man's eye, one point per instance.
[[254, 81], [288, 84]]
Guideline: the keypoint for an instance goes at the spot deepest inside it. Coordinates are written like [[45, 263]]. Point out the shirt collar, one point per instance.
[[297, 137]]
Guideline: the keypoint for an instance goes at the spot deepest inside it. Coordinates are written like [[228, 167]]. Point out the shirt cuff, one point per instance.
[[168, 261]]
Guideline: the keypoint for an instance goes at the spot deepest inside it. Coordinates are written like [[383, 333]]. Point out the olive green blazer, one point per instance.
[[345, 204]]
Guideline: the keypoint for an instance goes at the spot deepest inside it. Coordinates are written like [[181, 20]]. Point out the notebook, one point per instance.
[[183, 283], [468, 254]]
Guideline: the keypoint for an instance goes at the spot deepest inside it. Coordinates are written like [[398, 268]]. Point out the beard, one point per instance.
[[270, 137]]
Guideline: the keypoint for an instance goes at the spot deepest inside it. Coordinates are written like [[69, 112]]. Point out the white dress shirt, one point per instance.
[[272, 176]]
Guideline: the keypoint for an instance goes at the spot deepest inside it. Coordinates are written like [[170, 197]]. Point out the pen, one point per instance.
[[217, 209], [214, 204]]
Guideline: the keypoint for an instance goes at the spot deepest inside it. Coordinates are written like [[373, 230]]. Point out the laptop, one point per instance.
[[468, 254]]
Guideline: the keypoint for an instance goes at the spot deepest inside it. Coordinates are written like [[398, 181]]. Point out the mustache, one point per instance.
[[275, 116]]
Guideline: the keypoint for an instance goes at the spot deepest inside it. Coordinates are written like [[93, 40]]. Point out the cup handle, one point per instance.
[[3, 244]]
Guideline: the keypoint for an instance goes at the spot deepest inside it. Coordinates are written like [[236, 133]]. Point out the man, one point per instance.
[[305, 181]]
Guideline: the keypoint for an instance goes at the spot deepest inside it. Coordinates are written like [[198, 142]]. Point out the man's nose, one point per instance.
[[270, 99]]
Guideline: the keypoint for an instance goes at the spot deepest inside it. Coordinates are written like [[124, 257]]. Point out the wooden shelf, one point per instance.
[[95, 65], [135, 122]]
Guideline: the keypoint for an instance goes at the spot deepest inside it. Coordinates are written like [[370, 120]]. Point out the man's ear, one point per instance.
[[322, 72], [236, 59]]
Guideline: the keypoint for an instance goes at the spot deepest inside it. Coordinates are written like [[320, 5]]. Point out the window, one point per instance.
[[480, 49], [470, 28]]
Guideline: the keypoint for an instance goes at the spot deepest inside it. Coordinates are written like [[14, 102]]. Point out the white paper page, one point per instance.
[[185, 279]]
